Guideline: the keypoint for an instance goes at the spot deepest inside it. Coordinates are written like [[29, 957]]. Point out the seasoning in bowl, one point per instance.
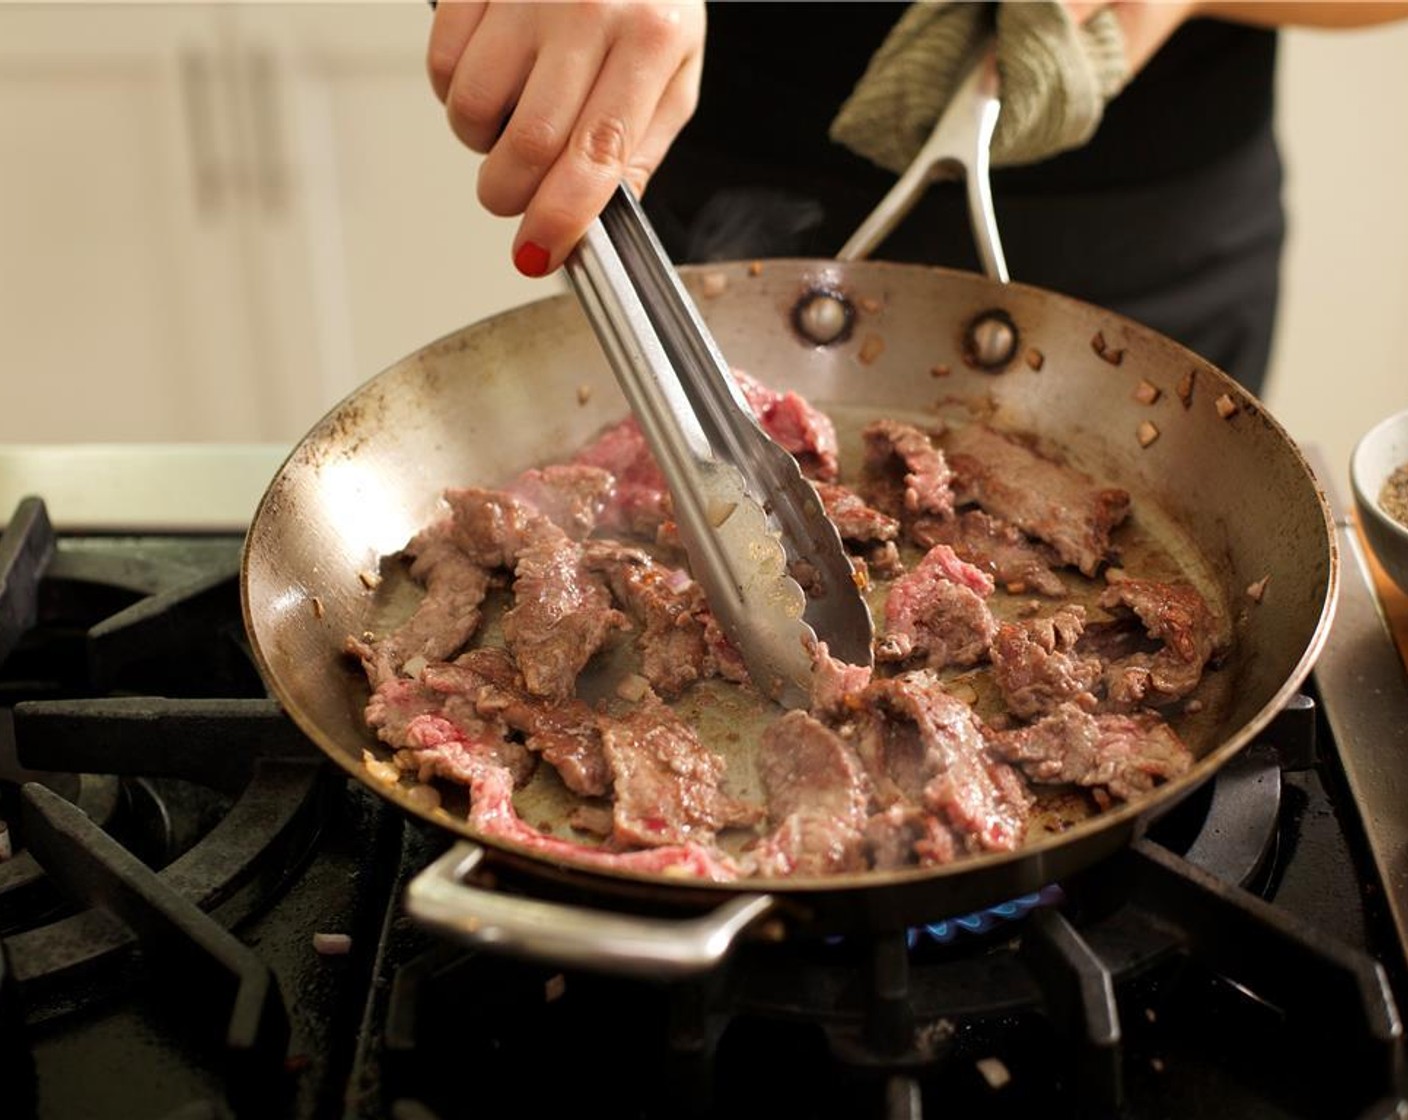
[[1393, 498]]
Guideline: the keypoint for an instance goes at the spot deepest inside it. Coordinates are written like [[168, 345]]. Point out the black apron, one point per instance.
[[1171, 215]]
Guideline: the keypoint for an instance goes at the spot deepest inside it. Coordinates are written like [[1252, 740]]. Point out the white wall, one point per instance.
[[1340, 361]]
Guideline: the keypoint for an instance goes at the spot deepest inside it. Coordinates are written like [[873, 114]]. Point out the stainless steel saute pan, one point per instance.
[[1221, 482]]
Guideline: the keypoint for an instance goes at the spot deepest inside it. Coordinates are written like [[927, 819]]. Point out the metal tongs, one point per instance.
[[753, 527]]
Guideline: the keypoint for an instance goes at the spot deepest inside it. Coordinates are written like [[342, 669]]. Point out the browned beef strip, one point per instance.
[[640, 503], [936, 611], [817, 795], [667, 607], [441, 749], [440, 730], [455, 559], [492, 814], [795, 425], [904, 835], [836, 685], [882, 558], [570, 495], [1126, 755], [1175, 614], [855, 520], [724, 659], [567, 733], [806, 767], [491, 527], [1048, 500], [561, 614], [1036, 665], [446, 617], [925, 747], [666, 781], [927, 477], [997, 547]]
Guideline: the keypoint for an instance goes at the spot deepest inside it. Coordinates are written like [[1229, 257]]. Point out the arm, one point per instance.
[[1147, 25], [1334, 14], [565, 100]]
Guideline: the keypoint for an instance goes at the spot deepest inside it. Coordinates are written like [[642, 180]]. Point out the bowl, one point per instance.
[[1379, 452]]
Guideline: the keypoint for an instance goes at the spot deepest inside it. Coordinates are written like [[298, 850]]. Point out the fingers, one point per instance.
[[540, 128], [454, 23], [593, 161], [490, 75], [567, 100], [643, 95], [672, 114]]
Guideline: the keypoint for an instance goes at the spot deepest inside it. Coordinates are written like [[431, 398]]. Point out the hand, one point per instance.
[[567, 100]]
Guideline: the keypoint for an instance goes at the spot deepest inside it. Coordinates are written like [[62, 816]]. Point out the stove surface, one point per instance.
[[202, 918]]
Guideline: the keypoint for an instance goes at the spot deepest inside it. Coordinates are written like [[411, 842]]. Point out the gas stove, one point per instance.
[[200, 917]]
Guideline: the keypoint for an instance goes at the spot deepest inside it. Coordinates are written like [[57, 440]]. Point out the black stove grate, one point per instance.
[[148, 821], [178, 844]]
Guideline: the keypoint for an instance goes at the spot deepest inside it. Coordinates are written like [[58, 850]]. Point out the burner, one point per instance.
[[1043, 1002], [984, 921]]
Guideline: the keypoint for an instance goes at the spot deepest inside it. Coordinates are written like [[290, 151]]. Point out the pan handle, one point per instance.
[[959, 145], [552, 932]]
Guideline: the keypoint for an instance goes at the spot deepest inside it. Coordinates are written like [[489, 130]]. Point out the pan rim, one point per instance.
[[1128, 816]]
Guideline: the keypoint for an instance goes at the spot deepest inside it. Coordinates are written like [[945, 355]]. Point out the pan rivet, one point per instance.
[[823, 317], [991, 340]]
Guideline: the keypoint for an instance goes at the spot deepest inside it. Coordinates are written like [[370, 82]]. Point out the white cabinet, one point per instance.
[[217, 220]]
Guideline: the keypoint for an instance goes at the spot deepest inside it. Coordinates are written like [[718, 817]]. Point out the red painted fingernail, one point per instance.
[[531, 259]]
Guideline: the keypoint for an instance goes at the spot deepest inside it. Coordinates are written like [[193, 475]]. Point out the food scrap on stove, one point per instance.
[[981, 698]]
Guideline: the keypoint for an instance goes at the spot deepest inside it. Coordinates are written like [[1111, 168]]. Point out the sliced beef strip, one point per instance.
[[668, 608], [1036, 666], [438, 731], [1123, 756], [1175, 614], [446, 617], [491, 527], [724, 659], [870, 534], [441, 749], [492, 814], [795, 425], [817, 793], [926, 748], [997, 547], [567, 734], [1048, 500], [903, 835], [854, 519], [640, 503], [806, 767], [666, 782], [571, 495], [936, 611], [882, 558], [561, 614], [927, 477], [836, 685]]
